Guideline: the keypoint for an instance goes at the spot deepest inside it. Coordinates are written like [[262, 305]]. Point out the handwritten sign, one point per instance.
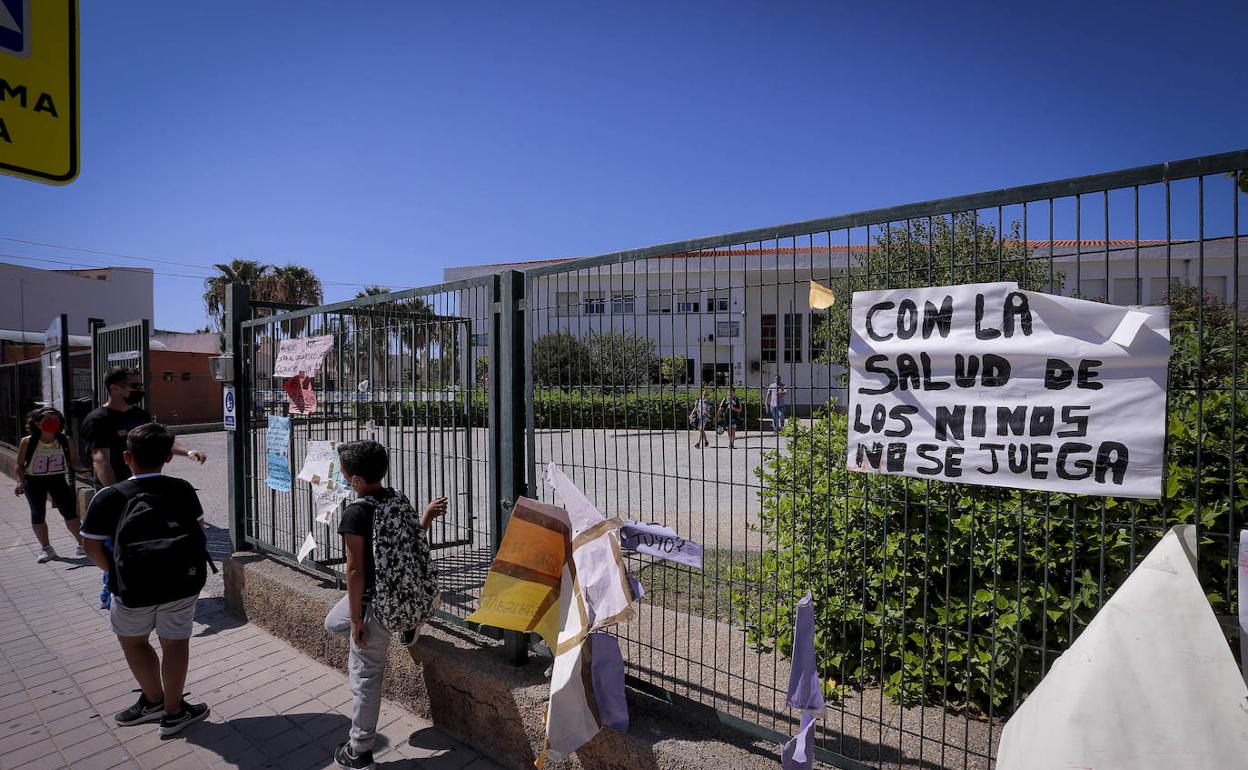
[[301, 355], [986, 384], [277, 455], [302, 397], [320, 466], [663, 542]]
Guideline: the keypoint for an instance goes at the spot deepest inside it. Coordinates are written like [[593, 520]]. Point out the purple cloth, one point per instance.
[[607, 668], [799, 752], [804, 690], [635, 584], [660, 541]]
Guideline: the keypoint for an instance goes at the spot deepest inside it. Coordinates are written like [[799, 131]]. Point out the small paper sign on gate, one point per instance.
[[301, 355]]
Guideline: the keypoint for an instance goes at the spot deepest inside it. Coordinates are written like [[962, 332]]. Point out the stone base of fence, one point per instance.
[[458, 680]]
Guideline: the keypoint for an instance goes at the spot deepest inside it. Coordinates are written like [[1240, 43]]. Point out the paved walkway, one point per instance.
[[62, 677]]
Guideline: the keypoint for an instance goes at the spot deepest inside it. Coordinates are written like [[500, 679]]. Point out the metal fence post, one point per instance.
[[237, 310], [509, 390]]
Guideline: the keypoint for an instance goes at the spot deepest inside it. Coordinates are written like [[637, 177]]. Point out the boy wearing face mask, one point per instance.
[[105, 428], [45, 456]]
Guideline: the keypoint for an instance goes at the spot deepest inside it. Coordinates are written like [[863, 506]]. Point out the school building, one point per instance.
[[742, 316]]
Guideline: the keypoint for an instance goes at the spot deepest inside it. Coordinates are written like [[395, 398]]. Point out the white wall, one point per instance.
[[33, 297]]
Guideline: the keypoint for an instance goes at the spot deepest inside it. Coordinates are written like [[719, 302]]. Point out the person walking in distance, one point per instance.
[[157, 567], [777, 402], [104, 431], [700, 417], [731, 408], [45, 457], [391, 586]]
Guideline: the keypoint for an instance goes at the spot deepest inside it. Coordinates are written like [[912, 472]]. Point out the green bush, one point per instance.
[[958, 594], [666, 409]]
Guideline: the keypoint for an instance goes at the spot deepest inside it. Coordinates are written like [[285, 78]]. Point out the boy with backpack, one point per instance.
[[157, 567], [391, 586]]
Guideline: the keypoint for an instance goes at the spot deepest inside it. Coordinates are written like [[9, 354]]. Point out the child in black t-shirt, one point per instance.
[[364, 464], [156, 524]]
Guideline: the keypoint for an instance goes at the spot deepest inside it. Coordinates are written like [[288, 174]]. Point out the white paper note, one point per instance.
[[309, 545]]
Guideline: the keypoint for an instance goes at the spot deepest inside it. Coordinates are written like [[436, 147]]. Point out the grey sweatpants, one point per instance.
[[366, 666]]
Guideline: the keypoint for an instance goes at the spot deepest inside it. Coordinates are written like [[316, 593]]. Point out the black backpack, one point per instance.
[[158, 555]]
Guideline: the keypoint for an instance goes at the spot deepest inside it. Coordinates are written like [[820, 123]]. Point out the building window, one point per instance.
[[623, 304], [717, 303], [566, 303], [819, 335], [727, 329], [768, 337], [1092, 288], [186, 376], [687, 305], [658, 302], [167, 377], [595, 305], [1124, 291], [793, 337]]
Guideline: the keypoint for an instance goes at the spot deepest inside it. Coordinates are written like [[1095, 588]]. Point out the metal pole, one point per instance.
[[509, 388], [237, 310]]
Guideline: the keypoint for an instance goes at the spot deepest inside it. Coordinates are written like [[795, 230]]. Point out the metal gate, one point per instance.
[[409, 369], [940, 606], [125, 345]]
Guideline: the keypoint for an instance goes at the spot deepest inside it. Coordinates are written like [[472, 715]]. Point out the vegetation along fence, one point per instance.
[[939, 606]]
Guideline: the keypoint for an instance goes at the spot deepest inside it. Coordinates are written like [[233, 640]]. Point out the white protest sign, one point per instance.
[[325, 501], [986, 384], [309, 545], [301, 354], [320, 465], [658, 540]]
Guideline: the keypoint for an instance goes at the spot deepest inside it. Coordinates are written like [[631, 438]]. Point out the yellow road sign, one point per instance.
[[39, 89]]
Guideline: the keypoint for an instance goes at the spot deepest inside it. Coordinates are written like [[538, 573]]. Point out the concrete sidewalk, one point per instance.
[[62, 677]]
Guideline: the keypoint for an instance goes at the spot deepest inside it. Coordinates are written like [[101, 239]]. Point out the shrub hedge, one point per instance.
[[964, 595]]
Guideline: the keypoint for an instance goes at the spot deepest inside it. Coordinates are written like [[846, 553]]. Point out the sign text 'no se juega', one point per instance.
[[987, 384]]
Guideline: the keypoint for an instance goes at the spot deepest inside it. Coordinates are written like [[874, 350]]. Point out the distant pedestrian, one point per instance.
[[777, 402], [45, 457], [157, 567], [700, 418], [730, 413], [104, 431], [382, 536]]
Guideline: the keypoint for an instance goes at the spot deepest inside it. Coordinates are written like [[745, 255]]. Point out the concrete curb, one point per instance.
[[458, 680]]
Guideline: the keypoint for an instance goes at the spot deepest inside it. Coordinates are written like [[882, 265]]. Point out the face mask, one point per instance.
[[134, 397], [50, 425]]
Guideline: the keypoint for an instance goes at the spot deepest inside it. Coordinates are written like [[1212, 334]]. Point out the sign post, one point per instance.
[[39, 89]]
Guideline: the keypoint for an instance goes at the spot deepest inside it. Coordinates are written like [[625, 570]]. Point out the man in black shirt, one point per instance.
[[104, 429]]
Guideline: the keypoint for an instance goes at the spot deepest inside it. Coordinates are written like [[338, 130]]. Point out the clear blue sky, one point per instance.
[[381, 141]]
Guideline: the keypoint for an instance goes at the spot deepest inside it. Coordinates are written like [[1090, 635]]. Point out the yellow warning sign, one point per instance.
[[39, 89]]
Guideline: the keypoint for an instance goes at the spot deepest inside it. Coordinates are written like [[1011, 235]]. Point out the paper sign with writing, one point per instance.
[[325, 501], [663, 542], [986, 384], [301, 355], [320, 466], [302, 397], [277, 454]]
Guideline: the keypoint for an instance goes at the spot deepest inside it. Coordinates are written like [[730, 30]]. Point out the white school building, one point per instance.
[[741, 315]]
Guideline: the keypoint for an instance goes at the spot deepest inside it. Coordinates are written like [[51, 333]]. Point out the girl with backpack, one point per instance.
[[46, 456]]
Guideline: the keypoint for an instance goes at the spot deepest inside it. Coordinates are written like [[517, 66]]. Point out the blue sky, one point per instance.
[[379, 142]]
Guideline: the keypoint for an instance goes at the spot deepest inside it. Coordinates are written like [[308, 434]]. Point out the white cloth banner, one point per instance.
[[660, 541], [986, 384], [1149, 684]]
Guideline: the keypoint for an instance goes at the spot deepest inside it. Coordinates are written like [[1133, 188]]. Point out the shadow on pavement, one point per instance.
[[211, 613]]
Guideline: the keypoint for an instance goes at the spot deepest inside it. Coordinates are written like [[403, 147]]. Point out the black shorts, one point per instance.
[[38, 488]]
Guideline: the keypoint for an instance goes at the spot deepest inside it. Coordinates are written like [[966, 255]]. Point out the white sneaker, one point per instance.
[[80, 551], [45, 554]]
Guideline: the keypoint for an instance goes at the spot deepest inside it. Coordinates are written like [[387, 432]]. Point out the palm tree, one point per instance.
[[245, 271], [294, 284]]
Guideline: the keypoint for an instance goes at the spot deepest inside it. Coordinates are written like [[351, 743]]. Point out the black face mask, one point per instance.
[[134, 397]]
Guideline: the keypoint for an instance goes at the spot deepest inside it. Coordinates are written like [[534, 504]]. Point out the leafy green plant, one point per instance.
[[960, 595]]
